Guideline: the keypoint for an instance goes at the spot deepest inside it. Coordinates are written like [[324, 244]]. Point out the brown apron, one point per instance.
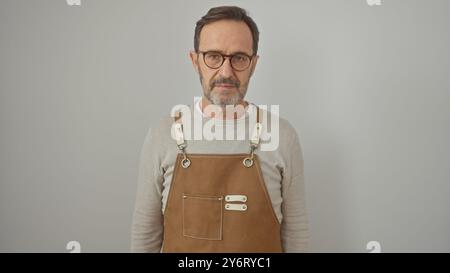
[[219, 203]]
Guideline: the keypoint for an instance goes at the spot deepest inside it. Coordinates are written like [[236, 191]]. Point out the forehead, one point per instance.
[[226, 36]]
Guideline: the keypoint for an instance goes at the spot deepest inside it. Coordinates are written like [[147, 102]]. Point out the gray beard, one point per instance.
[[215, 97], [218, 99]]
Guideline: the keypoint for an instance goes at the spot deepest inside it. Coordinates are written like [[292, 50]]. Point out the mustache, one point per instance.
[[225, 81]]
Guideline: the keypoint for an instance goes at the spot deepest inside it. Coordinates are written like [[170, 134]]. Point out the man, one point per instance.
[[216, 195]]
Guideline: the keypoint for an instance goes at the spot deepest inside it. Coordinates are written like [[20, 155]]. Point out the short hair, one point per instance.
[[227, 13]]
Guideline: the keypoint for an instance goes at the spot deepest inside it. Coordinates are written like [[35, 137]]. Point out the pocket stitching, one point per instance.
[[216, 198]]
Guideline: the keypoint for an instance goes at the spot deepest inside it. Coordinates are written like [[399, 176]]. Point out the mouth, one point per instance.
[[224, 85]]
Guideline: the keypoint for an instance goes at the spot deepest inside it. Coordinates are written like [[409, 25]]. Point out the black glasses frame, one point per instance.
[[224, 56]]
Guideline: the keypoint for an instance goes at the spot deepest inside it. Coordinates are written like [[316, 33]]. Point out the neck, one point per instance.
[[238, 111]]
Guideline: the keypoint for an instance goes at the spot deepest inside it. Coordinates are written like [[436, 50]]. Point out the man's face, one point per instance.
[[224, 85]]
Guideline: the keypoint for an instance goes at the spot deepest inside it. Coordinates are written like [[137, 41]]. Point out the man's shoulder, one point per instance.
[[273, 118]]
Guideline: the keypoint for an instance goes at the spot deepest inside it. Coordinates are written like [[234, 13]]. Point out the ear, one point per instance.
[[254, 61], [194, 59]]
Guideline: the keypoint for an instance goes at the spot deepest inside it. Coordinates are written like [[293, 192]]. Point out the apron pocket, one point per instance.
[[202, 217]]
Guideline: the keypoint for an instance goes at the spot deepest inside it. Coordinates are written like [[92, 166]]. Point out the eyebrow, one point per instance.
[[233, 53]]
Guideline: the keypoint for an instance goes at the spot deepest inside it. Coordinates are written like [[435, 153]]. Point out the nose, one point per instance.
[[226, 70]]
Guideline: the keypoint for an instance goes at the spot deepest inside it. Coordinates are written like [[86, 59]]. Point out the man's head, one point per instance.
[[225, 31]]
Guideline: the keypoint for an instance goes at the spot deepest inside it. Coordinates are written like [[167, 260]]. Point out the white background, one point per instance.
[[366, 87]]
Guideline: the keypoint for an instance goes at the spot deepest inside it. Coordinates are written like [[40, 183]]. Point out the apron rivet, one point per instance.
[[248, 162], [185, 163]]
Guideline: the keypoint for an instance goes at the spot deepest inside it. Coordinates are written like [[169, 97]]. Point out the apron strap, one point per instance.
[[179, 136], [254, 140], [181, 142], [256, 133]]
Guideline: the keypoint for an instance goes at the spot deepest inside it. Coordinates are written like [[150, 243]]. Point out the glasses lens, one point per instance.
[[213, 60], [240, 61]]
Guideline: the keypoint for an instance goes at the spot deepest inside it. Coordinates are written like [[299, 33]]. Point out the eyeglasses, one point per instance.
[[214, 60]]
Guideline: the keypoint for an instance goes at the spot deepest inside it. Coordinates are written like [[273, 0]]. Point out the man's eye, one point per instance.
[[214, 56], [239, 58]]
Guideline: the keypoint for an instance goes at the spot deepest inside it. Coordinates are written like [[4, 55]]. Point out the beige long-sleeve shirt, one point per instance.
[[282, 170]]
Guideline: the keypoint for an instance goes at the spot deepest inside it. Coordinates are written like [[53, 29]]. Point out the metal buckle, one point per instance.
[[236, 198], [185, 162], [238, 207], [248, 162]]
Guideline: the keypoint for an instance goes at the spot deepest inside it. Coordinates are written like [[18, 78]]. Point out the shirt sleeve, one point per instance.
[[295, 224], [147, 226]]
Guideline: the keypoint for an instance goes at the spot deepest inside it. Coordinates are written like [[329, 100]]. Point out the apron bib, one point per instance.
[[219, 203]]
